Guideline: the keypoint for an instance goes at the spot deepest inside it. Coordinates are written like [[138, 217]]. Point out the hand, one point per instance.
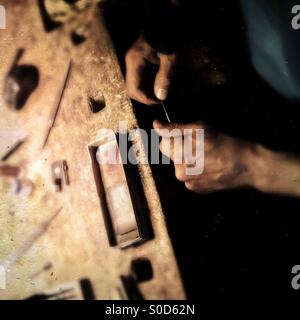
[[230, 163], [226, 159], [144, 83]]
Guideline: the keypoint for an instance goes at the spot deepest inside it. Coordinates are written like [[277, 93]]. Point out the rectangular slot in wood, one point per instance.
[[117, 189]]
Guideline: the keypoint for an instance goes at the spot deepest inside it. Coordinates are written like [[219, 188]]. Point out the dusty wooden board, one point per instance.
[[33, 232]]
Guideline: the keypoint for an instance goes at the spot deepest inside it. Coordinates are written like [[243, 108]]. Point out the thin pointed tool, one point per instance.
[[165, 111], [58, 103]]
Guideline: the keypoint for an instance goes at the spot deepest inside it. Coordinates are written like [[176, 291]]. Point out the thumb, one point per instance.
[[167, 130], [164, 77], [170, 133]]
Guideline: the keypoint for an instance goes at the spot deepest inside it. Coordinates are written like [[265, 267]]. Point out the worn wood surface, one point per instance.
[[48, 239]]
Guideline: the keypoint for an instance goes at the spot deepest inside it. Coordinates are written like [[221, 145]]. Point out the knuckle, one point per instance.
[[131, 91], [191, 186], [129, 57], [180, 175], [137, 94]]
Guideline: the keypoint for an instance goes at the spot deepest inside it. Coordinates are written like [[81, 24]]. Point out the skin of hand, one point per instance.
[[148, 73], [233, 163]]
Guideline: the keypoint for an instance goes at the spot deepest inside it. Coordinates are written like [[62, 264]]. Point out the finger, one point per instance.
[[167, 130], [172, 140], [164, 76], [175, 138], [180, 173], [172, 148], [162, 125], [201, 188], [134, 76], [167, 148]]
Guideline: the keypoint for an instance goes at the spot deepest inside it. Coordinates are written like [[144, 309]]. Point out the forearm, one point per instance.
[[274, 172]]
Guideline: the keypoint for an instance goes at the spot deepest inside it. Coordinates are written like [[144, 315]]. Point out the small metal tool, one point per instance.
[[65, 294], [165, 111], [58, 103], [60, 175], [81, 289], [13, 149]]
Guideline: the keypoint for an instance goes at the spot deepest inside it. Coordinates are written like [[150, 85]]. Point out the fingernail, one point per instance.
[[162, 94]]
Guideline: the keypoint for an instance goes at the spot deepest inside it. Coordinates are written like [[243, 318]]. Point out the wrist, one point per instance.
[[258, 160], [273, 172]]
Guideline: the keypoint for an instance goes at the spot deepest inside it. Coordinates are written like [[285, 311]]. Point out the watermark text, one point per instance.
[[2, 17], [296, 17], [2, 278]]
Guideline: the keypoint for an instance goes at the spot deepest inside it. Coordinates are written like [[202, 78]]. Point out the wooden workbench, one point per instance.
[[51, 238]]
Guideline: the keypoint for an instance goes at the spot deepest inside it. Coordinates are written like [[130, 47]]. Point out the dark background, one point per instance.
[[237, 243]]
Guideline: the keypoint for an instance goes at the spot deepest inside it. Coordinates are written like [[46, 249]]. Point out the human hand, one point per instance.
[[223, 162], [149, 73]]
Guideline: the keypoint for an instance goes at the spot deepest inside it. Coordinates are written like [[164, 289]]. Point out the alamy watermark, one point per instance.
[[296, 279], [2, 17], [184, 146], [2, 278], [296, 17]]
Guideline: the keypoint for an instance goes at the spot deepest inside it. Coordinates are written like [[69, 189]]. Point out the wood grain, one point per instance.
[[48, 239]]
